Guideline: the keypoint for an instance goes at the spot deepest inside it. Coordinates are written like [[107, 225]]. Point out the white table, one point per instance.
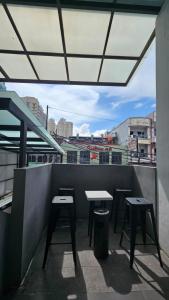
[[93, 197], [98, 196]]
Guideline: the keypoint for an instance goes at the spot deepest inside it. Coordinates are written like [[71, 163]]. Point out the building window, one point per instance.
[[84, 157], [117, 158], [72, 157], [40, 158], [103, 158], [142, 154], [33, 158]]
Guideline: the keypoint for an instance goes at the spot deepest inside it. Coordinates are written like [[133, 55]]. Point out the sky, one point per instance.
[[94, 110]]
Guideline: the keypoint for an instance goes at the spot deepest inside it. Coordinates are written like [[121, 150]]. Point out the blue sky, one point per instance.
[[111, 105]]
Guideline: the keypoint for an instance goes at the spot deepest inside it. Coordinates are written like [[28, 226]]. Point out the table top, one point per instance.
[[98, 196], [62, 200], [138, 201]]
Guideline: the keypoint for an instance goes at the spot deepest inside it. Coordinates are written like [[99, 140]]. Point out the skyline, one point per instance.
[[111, 105]]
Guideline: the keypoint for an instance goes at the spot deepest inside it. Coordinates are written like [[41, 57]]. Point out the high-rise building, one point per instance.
[[64, 128], [51, 126], [36, 108], [2, 86]]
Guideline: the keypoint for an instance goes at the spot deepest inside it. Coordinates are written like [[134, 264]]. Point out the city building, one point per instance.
[[139, 134], [51, 126], [64, 128], [93, 150], [36, 108]]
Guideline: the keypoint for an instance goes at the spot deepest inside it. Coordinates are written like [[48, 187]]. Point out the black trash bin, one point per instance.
[[101, 233]]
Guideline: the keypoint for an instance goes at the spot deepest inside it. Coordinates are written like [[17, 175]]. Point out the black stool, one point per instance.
[[68, 191], [139, 207], [58, 203], [119, 196]]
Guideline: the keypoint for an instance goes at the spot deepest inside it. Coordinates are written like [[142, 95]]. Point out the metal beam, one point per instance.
[[63, 82], [74, 55], [22, 152], [91, 5]]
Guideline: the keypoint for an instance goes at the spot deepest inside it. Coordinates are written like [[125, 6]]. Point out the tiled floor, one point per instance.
[[95, 280]]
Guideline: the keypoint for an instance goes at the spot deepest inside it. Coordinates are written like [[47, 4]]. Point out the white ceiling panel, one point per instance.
[[8, 37], [85, 31], [116, 70], [83, 69], [16, 66], [50, 67], [39, 27], [129, 34]]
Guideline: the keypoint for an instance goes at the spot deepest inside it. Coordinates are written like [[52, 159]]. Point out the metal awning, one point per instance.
[[75, 42], [14, 112]]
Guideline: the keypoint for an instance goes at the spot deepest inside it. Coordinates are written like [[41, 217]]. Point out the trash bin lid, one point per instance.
[[101, 212]]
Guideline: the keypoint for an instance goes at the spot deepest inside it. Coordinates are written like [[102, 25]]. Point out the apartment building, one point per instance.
[[93, 150], [64, 128], [36, 108], [139, 134], [51, 126]]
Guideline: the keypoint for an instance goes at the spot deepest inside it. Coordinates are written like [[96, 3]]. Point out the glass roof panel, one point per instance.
[[38, 26], [17, 133], [85, 31], [50, 67], [83, 69], [37, 143], [6, 118], [116, 70], [129, 33], [8, 38], [16, 66]]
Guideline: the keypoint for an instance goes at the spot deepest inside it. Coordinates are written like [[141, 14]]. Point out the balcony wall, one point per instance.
[[31, 198], [86, 177], [33, 189]]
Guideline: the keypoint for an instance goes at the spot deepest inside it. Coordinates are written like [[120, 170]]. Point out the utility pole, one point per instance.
[[138, 156], [47, 109]]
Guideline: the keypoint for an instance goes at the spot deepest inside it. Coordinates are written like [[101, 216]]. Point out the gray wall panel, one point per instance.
[[87, 177]]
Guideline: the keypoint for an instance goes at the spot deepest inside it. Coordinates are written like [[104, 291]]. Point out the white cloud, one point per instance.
[[138, 105], [142, 84], [82, 100], [153, 105], [84, 130]]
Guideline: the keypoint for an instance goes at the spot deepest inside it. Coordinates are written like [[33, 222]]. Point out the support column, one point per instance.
[[22, 152], [162, 83]]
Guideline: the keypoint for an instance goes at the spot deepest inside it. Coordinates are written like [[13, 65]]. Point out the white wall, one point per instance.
[[7, 172], [162, 63]]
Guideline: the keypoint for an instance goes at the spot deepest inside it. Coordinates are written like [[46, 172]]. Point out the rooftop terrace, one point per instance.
[[94, 279]]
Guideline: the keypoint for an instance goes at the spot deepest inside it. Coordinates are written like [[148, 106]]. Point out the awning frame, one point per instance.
[[86, 5]]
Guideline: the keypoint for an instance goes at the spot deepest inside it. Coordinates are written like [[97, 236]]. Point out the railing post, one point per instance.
[[22, 151]]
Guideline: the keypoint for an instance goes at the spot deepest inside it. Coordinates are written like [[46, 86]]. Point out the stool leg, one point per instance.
[[155, 235], [116, 211], [133, 225], [72, 231], [123, 226], [91, 226], [143, 225], [89, 220], [50, 229]]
